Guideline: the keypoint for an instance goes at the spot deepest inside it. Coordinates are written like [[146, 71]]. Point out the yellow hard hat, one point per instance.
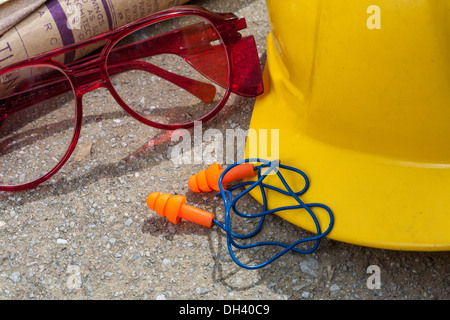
[[360, 94]]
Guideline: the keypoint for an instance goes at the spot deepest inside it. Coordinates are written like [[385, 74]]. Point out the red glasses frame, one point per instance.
[[87, 74]]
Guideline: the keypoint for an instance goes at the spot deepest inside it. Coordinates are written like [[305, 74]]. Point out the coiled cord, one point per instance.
[[230, 206]]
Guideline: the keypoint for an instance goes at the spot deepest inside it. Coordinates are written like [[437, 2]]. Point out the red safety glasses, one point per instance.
[[188, 59]]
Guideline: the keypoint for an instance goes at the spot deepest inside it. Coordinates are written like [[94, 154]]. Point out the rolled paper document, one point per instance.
[[57, 23], [13, 11]]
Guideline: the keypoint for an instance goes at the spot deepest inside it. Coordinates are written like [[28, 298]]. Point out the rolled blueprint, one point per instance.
[[57, 23], [13, 11]]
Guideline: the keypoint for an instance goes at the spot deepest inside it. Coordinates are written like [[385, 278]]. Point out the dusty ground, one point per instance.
[[88, 234]]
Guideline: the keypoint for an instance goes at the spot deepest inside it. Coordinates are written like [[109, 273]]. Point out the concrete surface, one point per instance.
[[88, 234]]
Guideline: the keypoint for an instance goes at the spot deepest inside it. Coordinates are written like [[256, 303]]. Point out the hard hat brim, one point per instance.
[[376, 201]]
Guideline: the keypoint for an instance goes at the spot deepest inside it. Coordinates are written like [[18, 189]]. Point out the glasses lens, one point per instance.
[[170, 72], [37, 115]]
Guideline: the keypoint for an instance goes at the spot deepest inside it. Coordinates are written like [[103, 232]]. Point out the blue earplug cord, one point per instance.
[[230, 206]]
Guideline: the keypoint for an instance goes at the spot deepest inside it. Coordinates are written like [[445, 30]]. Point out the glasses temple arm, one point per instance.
[[200, 36], [204, 91], [198, 45], [27, 97], [119, 56], [194, 43]]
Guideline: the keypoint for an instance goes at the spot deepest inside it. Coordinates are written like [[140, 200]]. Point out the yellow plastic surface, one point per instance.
[[365, 113]]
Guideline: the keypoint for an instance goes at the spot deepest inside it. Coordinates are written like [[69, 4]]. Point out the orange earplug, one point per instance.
[[175, 208], [208, 179]]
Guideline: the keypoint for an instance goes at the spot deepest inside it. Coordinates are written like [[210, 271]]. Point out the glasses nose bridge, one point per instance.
[[89, 75]]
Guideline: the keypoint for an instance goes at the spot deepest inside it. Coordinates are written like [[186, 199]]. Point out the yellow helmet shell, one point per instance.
[[360, 94]]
